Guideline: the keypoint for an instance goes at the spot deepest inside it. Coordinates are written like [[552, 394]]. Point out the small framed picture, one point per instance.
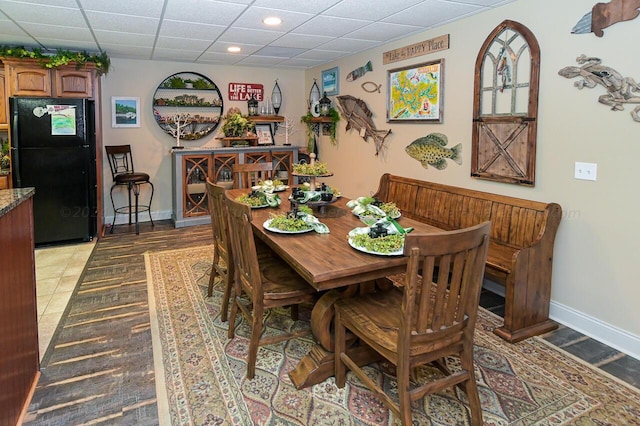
[[330, 81], [125, 111], [265, 136]]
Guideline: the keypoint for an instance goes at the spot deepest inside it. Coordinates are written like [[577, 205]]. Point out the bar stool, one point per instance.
[[123, 174]]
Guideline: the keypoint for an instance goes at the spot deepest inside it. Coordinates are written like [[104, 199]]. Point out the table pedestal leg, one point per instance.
[[318, 364]]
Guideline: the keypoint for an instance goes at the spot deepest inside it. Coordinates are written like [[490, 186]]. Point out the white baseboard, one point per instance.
[[142, 217], [590, 326]]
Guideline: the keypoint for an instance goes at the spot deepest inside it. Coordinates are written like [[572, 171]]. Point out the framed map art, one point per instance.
[[416, 93]]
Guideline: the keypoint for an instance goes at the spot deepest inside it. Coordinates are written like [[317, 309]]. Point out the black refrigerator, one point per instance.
[[53, 149]]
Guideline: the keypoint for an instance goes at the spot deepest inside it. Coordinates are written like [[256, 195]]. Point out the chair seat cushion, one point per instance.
[[136, 177]]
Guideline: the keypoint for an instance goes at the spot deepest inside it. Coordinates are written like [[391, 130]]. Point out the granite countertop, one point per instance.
[[9, 198]]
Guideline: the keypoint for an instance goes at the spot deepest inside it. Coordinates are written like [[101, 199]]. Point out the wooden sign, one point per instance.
[[243, 91], [417, 49]]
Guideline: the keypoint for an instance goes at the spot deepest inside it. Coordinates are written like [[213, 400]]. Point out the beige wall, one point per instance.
[[151, 146], [595, 280], [595, 283]]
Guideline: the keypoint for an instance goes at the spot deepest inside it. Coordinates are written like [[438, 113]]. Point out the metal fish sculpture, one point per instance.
[[359, 72], [430, 150], [604, 15], [358, 116]]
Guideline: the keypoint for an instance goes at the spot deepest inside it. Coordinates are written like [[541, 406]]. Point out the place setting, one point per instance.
[[383, 235], [257, 199], [298, 220]]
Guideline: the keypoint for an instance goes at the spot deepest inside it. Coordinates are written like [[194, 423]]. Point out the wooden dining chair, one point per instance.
[[248, 175], [266, 283], [422, 322], [223, 265]]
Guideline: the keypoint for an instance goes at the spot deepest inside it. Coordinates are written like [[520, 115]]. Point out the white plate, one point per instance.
[[282, 231], [398, 216], [278, 188], [357, 231], [260, 207]]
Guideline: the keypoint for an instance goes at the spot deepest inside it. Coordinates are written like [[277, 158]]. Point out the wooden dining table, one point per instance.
[[329, 264]]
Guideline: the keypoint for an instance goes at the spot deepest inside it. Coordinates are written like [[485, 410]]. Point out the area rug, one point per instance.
[[200, 373]]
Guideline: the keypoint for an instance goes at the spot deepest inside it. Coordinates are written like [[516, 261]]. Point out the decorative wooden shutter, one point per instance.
[[505, 106]]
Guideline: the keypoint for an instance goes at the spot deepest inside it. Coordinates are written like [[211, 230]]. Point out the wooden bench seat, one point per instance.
[[520, 251]]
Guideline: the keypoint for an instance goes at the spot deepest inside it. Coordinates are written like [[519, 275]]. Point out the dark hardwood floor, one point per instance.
[[99, 366]]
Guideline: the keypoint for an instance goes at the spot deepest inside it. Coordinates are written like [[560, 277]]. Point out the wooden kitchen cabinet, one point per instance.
[[27, 78], [4, 108], [19, 352]]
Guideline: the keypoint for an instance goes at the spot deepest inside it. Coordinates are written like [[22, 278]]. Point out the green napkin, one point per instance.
[[273, 199], [313, 221]]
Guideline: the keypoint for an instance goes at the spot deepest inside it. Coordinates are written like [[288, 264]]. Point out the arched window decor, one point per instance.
[[505, 106]]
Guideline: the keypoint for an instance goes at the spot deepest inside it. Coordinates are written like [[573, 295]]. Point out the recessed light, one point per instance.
[[272, 20], [233, 49]]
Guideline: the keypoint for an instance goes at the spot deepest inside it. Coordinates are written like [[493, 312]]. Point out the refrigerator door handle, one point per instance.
[[15, 168], [15, 157]]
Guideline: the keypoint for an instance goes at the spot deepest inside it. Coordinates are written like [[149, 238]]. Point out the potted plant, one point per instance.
[[5, 161], [313, 123], [237, 125]]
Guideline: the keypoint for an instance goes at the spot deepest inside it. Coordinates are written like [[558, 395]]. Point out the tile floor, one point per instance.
[[58, 269]]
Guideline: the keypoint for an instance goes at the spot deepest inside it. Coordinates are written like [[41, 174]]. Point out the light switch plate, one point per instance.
[[586, 171]]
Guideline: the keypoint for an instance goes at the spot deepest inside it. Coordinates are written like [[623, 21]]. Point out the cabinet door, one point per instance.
[[223, 168], [257, 157], [282, 165], [4, 108], [196, 171], [73, 83], [28, 81]]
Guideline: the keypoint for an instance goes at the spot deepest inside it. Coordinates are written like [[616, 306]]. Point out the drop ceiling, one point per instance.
[[312, 33]]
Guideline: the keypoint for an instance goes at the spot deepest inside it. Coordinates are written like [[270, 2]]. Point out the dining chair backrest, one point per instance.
[[243, 247], [455, 260], [431, 318], [248, 175], [222, 255]]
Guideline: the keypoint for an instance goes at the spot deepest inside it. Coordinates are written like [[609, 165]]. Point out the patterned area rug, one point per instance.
[[201, 373]]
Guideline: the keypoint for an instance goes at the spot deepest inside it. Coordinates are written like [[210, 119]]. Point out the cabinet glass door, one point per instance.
[[196, 169]]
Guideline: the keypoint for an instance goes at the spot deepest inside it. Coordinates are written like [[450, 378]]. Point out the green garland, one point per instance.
[[335, 117], [60, 58]]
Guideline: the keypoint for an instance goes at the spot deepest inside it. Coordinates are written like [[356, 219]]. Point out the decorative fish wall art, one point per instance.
[[359, 72], [431, 150], [620, 90], [371, 87], [358, 116], [604, 15]]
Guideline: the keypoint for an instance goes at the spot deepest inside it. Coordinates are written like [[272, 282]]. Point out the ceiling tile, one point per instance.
[[301, 40], [193, 30], [203, 12], [53, 15], [253, 17], [349, 45], [183, 43], [330, 26], [123, 23], [383, 31], [244, 35], [313, 6], [362, 9], [113, 37], [148, 8], [431, 12]]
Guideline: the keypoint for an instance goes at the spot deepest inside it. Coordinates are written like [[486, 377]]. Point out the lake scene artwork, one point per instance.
[[126, 112]]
